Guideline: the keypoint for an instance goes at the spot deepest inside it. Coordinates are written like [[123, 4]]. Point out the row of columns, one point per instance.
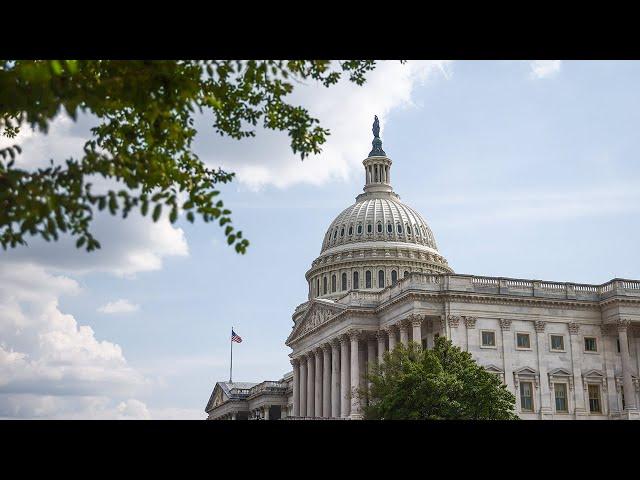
[[328, 379]]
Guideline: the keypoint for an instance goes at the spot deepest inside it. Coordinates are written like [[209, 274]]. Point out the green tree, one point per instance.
[[443, 383], [142, 143]]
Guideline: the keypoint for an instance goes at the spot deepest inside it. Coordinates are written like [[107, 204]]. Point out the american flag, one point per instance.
[[235, 337]]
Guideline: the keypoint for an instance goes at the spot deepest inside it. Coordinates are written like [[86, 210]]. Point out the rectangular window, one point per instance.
[[488, 338], [557, 343], [622, 395], [523, 341], [561, 397], [618, 345], [526, 396], [594, 399], [590, 344]]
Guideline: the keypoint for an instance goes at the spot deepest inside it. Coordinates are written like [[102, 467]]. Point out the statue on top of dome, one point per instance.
[[376, 127], [377, 143]]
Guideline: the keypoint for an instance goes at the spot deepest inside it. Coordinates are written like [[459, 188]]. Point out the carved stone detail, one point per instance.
[[623, 324], [574, 328], [454, 320], [505, 324], [470, 322], [540, 325]]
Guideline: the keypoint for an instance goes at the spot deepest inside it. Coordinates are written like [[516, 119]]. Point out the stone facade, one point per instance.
[[566, 351]]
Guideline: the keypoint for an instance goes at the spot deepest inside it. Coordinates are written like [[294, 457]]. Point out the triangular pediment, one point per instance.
[[318, 313], [560, 372], [593, 373], [217, 397], [493, 369], [526, 371]]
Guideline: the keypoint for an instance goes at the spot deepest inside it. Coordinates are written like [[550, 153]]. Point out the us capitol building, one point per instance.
[[565, 350]]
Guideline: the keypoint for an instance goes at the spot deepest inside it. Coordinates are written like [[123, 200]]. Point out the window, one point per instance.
[[324, 285], [409, 229], [618, 345], [523, 341], [333, 283], [350, 230], [344, 282], [406, 273], [399, 228], [317, 287], [367, 279], [342, 232], [356, 281], [389, 228], [394, 277], [359, 229], [379, 228], [622, 395], [381, 279], [488, 338], [594, 398], [369, 228], [557, 343], [561, 397], [335, 233], [590, 344], [526, 396]]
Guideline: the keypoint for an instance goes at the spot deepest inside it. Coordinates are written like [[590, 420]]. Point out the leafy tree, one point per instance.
[[437, 384], [142, 143]]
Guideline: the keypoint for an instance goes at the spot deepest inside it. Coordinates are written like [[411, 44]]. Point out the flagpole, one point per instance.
[[231, 364]]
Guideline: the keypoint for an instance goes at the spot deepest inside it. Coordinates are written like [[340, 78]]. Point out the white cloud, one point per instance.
[[122, 305], [50, 366], [346, 109], [545, 68]]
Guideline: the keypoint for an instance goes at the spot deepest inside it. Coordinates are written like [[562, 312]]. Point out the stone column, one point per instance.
[[576, 361], [371, 355], [454, 321], [335, 379], [318, 384], [326, 380], [345, 387], [380, 335], [296, 387], [284, 411], [416, 325], [627, 380], [507, 351], [354, 336], [472, 336], [391, 332], [311, 381], [303, 386], [545, 399], [266, 412], [404, 333]]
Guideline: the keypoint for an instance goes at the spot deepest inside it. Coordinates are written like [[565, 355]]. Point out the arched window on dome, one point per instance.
[[369, 228], [342, 231], [379, 227], [335, 233], [381, 279], [350, 230], [394, 277], [367, 279], [359, 229], [399, 228], [408, 229], [389, 228], [333, 283], [356, 281], [324, 285], [344, 282], [317, 287]]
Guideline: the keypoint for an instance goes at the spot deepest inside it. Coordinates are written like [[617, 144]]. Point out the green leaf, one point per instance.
[[156, 212]]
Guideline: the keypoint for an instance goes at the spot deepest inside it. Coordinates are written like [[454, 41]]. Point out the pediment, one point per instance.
[[217, 398], [560, 372], [493, 369], [525, 371], [593, 373], [319, 313]]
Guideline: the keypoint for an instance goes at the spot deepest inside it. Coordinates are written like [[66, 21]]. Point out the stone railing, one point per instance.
[[268, 387], [493, 285]]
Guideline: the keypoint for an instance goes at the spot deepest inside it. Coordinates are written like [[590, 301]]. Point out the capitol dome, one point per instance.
[[376, 241]]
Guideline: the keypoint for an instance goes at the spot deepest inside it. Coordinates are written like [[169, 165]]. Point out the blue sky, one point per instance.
[[522, 169]]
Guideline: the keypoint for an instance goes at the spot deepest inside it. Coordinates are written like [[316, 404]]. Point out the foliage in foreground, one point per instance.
[[437, 384], [142, 143]]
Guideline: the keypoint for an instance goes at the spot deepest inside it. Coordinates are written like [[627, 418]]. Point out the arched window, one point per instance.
[[333, 283], [394, 277], [317, 287], [359, 228], [381, 279], [342, 232], [379, 228], [344, 282], [399, 228], [350, 230], [389, 228], [408, 229], [335, 233], [356, 281], [324, 286], [369, 228], [406, 273], [367, 279]]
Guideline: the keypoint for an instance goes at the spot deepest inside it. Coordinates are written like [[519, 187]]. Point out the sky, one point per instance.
[[522, 169]]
